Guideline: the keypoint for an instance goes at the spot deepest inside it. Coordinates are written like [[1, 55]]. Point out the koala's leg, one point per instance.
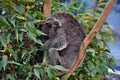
[[70, 56], [59, 43], [54, 57], [47, 44]]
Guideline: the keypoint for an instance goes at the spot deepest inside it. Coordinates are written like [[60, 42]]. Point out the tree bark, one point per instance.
[[47, 8]]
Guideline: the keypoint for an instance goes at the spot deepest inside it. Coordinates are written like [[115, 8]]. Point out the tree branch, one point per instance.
[[47, 8], [90, 36]]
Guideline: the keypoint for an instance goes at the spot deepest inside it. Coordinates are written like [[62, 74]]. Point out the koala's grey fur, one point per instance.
[[65, 36]]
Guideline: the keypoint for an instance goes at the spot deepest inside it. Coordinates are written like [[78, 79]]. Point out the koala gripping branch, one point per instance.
[[88, 39], [90, 36]]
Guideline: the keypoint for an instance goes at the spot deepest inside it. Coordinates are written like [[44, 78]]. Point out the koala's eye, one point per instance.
[[50, 19], [56, 23]]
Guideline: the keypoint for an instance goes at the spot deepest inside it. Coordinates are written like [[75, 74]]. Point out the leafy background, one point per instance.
[[20, 53]]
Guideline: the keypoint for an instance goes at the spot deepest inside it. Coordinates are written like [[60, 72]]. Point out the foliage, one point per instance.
[[19, 55], [20, 52], [76, 6]]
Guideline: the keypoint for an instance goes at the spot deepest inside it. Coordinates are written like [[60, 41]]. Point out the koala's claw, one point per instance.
[[53, 21]]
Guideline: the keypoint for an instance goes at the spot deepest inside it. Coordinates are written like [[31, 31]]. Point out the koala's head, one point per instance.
[[50, 27]]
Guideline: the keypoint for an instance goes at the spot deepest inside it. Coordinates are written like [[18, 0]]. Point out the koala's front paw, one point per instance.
[[59, 43], [47, 44], [53, 21]]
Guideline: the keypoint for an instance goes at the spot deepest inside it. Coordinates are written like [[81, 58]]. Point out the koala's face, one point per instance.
[[50, 27]]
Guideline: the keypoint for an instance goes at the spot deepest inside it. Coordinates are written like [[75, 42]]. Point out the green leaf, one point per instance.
[[10, 77], [93, 72], [12, 21], [20, 17], [37, 66], [64, 77], [3, 41], [36, 72], [4, 61], [40, 33], [8, 38], [42, 72], [98, 36], [29, 75], [90, 65], [16, 32], [3, 21], [21, 36], [23, 30], [101, 44], [32, 37], [0, 65], [100, 9], [11, 51], [13, 62], [38, 41], [101, 4], [51, 73], [61, 68], [36, 21], [31, 27], [91, 51], [23, 54], [19, 8]]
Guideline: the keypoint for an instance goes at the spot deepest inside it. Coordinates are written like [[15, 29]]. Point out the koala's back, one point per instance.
[[75, 35], [71, 26]]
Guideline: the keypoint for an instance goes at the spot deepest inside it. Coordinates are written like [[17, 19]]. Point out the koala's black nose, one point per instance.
[[46, 37]]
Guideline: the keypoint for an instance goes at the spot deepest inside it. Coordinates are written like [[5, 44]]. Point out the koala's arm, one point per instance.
[[58, 43]]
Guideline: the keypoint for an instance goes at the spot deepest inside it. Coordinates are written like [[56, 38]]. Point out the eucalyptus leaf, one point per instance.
[[3, 21], [37, 73], [19, 8], [11, 51], [3, 40], [10, 77], [49, 73], [21, 17], [4, 61], [21, 36], [58, 67], [16, 32], [13, 62], [31, 27]]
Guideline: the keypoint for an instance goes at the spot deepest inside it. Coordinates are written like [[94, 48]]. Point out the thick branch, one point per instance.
[[91, 35], [47, 8]]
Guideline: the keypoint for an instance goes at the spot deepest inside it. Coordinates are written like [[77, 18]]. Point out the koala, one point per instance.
[[64, 37]]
